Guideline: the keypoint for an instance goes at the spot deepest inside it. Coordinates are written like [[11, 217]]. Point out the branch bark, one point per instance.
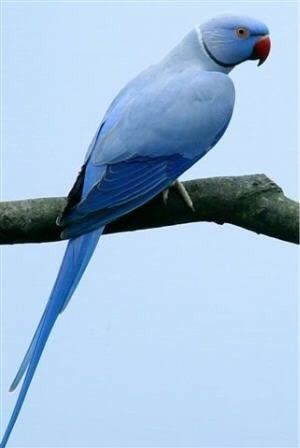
[[253, 202]]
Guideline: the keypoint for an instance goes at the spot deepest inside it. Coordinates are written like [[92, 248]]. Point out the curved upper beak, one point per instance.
[[261, 49]]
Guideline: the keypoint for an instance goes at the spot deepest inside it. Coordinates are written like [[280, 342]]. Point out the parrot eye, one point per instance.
[[242, 32]]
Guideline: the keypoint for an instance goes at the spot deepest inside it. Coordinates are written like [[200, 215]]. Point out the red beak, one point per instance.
[[261, 49]]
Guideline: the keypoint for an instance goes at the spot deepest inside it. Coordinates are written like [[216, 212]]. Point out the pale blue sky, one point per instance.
[[184, 336]]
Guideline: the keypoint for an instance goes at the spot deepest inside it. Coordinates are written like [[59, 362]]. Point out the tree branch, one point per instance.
[[253, 202]]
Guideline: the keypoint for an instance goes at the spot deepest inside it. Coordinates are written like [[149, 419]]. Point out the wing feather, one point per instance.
[[120, 191]]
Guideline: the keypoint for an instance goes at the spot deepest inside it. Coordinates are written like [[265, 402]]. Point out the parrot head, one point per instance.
[[232, 39]]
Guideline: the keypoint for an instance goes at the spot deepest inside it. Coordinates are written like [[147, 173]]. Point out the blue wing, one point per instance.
[[147, 140], [123, 187]]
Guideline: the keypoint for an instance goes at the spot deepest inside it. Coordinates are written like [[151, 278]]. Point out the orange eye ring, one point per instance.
[[242, 32]]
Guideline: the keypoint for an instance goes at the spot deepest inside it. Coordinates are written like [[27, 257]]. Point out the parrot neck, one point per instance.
[[191, 51]]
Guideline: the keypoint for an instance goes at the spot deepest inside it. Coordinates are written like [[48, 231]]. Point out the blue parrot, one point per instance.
[[158, 126]]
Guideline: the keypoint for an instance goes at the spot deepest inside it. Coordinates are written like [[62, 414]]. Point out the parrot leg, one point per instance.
[[180, 188]]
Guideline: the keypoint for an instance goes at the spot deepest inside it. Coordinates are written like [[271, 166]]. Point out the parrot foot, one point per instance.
[[180, 188]]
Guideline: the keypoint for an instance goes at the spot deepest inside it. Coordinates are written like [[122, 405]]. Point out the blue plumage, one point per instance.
[[124, 186], [76, 258], [159, 125]]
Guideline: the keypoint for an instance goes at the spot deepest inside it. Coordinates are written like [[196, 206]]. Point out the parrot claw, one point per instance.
[[180, 188], [165, 195]]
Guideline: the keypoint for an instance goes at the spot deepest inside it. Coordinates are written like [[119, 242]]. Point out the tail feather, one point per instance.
[[28, 355], [76, 258]]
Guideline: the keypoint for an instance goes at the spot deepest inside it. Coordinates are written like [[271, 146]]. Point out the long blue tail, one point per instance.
[[77, 255]]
